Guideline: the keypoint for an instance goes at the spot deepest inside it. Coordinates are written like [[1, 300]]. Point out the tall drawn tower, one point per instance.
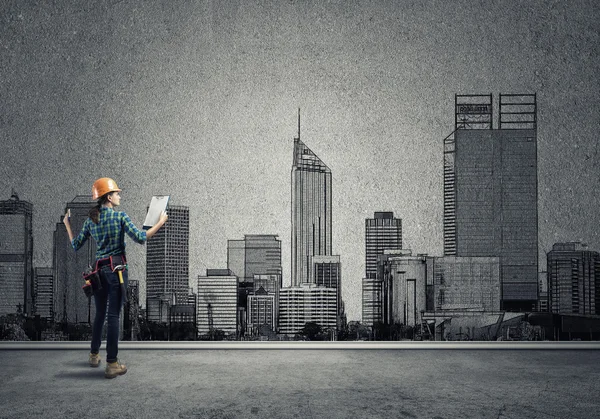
[[311, 210], [16, 256], [382, 232], [490, 191], [70, 303], [167, 262]]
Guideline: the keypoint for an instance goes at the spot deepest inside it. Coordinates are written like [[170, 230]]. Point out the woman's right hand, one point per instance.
[[152, 231], [163, 217]]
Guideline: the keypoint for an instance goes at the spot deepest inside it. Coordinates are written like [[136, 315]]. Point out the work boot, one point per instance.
[[114, 368], [94, 360]]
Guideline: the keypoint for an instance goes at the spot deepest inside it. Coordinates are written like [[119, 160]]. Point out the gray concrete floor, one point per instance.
[[303, 384]]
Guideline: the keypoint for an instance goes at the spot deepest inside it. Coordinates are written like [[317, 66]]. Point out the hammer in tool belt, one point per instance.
[[119, 269]]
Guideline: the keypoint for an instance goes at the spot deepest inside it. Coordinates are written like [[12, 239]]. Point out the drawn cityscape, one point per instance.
[[487, 285]]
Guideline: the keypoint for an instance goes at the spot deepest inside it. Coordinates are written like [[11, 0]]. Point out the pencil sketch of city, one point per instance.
[[335, 172]]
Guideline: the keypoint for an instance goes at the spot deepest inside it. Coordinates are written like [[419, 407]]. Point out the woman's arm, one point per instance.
[[78, 241], [162, 220], [67, 224], [141, 236]]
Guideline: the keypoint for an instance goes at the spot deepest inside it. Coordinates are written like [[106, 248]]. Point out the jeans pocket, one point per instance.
[[111, 277]]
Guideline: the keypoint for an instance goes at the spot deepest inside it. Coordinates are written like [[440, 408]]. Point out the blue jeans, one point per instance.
[[109, 296]]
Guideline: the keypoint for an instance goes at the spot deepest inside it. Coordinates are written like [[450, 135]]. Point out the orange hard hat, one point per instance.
[[103, 186]]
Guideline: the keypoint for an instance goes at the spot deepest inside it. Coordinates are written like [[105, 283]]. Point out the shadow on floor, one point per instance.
[[85, 374]]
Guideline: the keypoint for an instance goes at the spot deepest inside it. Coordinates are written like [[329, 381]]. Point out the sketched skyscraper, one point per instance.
[[311, 210], [70, 303], [490, 191], [16, 256], [382, 232], [167, 261]]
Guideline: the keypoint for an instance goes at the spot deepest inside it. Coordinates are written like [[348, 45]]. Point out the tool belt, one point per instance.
[[92, 279], [111, 261]]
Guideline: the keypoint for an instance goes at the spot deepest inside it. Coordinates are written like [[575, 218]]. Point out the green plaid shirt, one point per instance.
[[109, 233]]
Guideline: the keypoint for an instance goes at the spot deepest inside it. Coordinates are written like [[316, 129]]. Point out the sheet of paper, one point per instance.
[[158, 204]]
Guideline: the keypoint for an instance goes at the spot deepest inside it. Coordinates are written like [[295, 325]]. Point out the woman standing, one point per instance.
[[108, 227]]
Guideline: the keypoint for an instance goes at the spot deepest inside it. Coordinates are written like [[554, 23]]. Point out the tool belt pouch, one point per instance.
[[94, 285], [87, 290]]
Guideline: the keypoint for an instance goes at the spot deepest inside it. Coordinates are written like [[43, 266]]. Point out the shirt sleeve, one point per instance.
[[132, 231], [84, 234]]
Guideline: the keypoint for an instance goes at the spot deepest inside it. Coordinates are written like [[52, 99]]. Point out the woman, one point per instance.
[[108, 228]]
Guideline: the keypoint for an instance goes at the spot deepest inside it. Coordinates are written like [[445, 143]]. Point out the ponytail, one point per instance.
[[94, 213]]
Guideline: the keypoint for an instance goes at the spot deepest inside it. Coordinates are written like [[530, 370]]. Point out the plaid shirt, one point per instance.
[[109, 233]]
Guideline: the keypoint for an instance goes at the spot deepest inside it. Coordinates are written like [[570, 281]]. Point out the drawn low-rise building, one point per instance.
[[44, 293], [307, 303], [217, 302]]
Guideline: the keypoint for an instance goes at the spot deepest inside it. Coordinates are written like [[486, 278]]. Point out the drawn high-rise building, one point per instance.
[[70, 303], [16, 256], [490, 191], [573, 279], [257, 254], [382, 232], [44, 293], [167, 262], [311, 210]]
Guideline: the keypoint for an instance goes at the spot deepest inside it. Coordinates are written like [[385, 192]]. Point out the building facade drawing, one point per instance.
[[403, 284], [463, 284], [307, 303], [326, 271], [382, 232], [16, 256], [573, 279], [372, 301], [490, 191], [270, 284], [311, 211], [261, 312], [257, 254], [44, 293], [167, 262], [71, 304], [217, 302]]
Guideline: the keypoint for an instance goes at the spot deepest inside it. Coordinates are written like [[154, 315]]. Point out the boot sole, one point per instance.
[[115, 375]]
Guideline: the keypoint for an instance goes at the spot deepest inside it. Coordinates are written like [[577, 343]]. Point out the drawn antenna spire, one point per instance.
[[298, 124]]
